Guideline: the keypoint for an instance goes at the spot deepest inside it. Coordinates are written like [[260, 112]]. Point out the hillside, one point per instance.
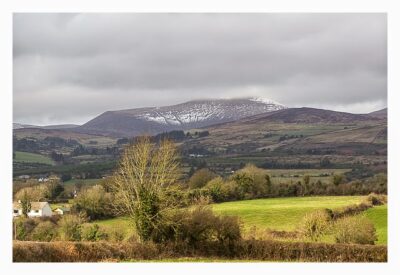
[[192, 114], [379, 114], [297, 130]]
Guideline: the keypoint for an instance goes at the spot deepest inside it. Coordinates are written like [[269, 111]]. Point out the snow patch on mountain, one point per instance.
[[201, 111]]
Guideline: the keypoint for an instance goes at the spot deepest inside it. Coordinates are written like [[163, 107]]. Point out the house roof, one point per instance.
[[35, 205]]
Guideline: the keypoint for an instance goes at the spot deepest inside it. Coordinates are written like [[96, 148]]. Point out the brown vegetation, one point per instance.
[[241, 250]]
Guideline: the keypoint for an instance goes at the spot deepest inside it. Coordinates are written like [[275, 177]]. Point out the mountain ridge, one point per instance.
[[187, 115]]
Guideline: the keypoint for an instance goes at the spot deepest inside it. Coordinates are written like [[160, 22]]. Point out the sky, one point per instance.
[[69, 68]]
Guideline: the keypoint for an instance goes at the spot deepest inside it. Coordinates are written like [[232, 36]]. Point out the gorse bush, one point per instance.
[[315, 224], [357, 230]]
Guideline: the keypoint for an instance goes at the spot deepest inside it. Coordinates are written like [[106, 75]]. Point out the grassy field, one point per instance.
[[378, 215], [277, 214], [121, 224], [32, 158], [280, 213], [85, 182]]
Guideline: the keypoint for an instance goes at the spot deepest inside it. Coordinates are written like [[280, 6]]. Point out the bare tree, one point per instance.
[[145, 171]]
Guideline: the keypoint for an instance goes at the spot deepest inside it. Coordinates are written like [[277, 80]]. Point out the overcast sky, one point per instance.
[[69, 68]]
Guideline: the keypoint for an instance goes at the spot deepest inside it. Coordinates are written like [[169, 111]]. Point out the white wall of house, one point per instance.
[[44, 212]]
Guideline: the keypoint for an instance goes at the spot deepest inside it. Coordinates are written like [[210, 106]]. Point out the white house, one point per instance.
[[38, 209], [62, 210]]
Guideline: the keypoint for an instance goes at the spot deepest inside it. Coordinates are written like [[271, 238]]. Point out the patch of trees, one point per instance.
[[175, 135], [34, 145], [41, 192], [83, 150], [94, 202], [252, 183], [90, 170], [201, 177], [274, 164]]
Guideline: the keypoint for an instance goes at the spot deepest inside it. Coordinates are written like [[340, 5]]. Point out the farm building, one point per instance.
[[38, 209], [62, 210]]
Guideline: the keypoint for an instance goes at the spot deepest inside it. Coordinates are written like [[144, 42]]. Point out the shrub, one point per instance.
[[23, 228], [244, 249], [115, 235], [93, 233], [349, 210], [337, 179], [44, 231], [200, 178], [95, 202], [70, 228], [314, 224], [197, 226], [221, 190], [358, 230], [376, 199]]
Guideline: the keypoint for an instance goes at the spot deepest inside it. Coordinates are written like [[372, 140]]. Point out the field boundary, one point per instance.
[[26, 251]]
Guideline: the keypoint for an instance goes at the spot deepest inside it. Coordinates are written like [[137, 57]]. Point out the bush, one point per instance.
[[349, 210], [197, 226], [376, 199], [200, 178], [95, 202], [44, 231], [314, 224], [220, 190], [115, 235], [70, 228], [244, 249], [356, 230], [23, 228], [93, 233]]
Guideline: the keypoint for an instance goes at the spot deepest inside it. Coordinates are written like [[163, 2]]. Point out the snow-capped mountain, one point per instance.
[[192, 114]]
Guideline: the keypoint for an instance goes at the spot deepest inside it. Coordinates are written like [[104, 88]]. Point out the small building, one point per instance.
[[24, 177], [62, 210], [38, 209]]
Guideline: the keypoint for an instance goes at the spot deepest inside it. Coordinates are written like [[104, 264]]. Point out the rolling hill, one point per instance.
[[297, 130]]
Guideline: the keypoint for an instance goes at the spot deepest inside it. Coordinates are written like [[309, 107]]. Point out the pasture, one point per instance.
[[32, 158], [378, 216], [281, 213]]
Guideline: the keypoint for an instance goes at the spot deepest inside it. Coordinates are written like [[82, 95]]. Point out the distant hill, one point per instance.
[[60, 126], [379, 114], [311, 115], [297, 130], [189, 115]]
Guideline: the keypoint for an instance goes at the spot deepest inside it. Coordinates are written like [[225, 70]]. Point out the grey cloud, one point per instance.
[[70, 67]]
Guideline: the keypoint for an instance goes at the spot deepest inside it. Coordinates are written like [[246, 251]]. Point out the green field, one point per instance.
[[280, 213], [277, 214], [85, 182], [378, 215], [121, 224], [32, 158]]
